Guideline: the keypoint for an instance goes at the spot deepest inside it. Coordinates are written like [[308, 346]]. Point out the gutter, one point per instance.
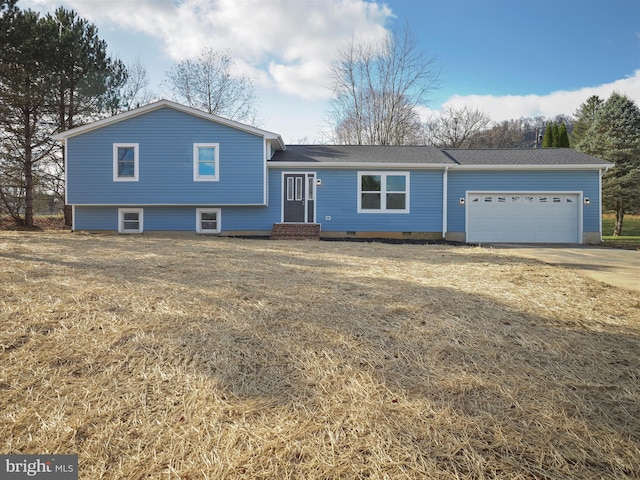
[[445, 188]]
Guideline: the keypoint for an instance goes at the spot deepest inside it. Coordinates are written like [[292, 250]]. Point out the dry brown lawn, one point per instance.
[[193, 357]]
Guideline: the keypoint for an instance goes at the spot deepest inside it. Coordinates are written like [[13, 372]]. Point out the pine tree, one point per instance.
[[547, 139], [585, 116], [563, 137], [615, 136], [555, 135]]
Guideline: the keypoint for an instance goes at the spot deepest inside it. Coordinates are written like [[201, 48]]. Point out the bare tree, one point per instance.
[[211, 83], [506, 134], [135, 91], [454, 127], [377, 89]]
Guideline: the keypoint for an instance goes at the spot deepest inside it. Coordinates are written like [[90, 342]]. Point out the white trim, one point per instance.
[[383, 191], [445, 203], [200, 204], [136, 162], [66, 178], [600, 203], [356, 165], [428, 166], [196, 162], [265, 173], [580, 233], [218, 213], [528, 167], [122, 211], [176, 106]]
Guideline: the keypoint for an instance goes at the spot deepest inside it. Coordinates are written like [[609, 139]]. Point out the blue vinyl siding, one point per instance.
[[177, 219], [525, 181], [165, 137], [337, 197]]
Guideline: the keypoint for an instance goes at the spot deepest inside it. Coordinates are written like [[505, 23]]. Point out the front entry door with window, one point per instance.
[[299, 197]]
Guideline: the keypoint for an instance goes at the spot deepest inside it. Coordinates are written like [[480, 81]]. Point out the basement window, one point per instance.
[[130, 220], [207, 220]]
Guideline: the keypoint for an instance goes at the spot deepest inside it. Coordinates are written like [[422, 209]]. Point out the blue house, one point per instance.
[[167, 167]]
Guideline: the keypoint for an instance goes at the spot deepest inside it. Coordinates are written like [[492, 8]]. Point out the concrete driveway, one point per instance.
[[617, 267]]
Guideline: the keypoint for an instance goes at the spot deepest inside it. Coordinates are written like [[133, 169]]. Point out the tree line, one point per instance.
[[55, 74]]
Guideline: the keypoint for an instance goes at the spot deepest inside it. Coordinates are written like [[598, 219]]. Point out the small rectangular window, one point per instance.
[[299, 186], [130, 220], [208, 220], [311, 186], [290, 189], [125, 162], [205, 162]]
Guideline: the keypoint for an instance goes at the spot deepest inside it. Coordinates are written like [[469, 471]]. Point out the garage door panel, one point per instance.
[[522, 217]]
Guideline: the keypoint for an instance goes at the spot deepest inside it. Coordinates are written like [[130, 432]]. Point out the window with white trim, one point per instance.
[[205, 162], [386, 192], [208, 220], [125, 162], [130, 220]]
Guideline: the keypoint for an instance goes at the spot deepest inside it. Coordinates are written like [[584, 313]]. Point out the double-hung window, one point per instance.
[[130, 220], [125, 162], [386, 192], [208, 220], [205, 162]]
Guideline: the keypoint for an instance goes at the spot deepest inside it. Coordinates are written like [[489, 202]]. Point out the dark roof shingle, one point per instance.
[[540, 156], [362, 154]]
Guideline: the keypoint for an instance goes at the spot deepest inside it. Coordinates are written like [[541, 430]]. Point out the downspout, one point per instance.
[[601, 173], [445, 184]]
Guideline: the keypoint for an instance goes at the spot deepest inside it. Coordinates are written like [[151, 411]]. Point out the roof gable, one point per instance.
[[279, 143]]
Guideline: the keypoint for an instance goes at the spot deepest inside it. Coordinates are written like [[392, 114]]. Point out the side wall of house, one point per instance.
[[586, 182], [165, 139], [337, 202]]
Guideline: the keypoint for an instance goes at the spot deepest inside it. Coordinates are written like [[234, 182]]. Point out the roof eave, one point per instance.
[[361, 165]]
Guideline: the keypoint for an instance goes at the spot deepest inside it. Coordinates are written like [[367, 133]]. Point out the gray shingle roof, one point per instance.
[[540, 156], [427, 155], [362, 154]]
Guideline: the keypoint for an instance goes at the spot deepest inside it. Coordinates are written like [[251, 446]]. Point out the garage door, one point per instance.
[[523, 217]]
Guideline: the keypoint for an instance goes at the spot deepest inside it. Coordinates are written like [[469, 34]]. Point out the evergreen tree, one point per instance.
[[54, 75], [585, 116], [563, 137], [615, 136], [25, 83], [555, 133], [547, 139]]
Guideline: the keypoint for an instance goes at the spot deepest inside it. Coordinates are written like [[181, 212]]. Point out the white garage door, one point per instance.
[[523, 217]]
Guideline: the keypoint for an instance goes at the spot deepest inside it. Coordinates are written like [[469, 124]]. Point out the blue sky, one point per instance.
[[509, 58]]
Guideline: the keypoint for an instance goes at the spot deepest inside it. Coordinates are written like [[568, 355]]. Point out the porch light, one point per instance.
[[461, 201], [586, 200]]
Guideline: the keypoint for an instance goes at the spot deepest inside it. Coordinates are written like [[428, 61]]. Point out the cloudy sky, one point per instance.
[[509, 58]]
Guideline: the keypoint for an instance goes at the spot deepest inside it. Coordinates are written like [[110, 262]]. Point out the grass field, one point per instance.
[[630, 237], [191, 357]]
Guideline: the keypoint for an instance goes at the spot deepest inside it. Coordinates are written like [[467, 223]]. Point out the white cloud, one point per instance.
[[295, 39], [561, 102]]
